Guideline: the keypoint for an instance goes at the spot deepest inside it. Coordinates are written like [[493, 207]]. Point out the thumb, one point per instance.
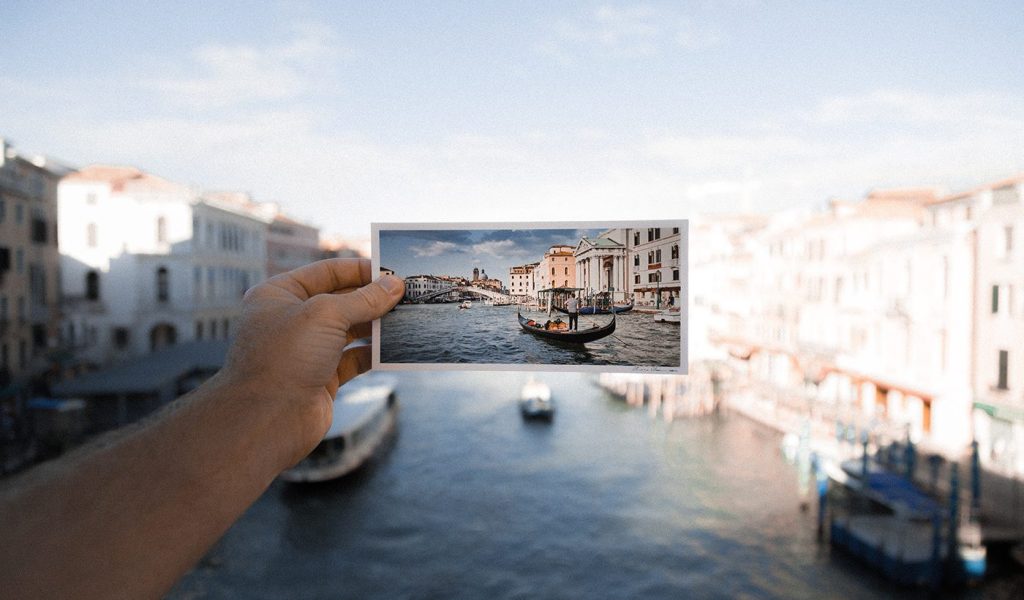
[[369, 302]]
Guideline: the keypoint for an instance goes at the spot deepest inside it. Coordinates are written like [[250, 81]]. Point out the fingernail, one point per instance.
[[391, 284]]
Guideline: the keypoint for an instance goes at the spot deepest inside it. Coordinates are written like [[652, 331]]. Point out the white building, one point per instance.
[[998, 210], [657, 260], [147, 263], [520, 281], [602, 264], [421, 285]]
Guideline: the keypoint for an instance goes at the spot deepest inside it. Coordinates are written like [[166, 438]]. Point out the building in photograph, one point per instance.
[[557, 269], [998, 212], [29, 271], [147, 263], [602, 264], [423, 285], [386, 271], [520, 280], [655, 257]]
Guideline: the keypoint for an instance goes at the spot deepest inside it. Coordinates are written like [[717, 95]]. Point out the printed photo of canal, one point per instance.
[[602, 296]]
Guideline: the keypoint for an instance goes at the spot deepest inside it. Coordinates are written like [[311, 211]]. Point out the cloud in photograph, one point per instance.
[[436, 249]]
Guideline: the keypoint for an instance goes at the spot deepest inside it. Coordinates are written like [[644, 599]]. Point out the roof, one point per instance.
[[986, 186], [119, 176], [147, 374], [602, 242]]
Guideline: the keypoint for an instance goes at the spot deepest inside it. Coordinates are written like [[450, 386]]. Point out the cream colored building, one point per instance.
[[520, 281], [29, 265], [656, 255]]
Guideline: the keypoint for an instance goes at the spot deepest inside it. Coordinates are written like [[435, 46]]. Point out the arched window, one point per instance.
[[92, 285], [162, 284]]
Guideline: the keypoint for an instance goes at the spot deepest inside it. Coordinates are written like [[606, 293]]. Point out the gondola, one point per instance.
[[603, 310], [572, 337]]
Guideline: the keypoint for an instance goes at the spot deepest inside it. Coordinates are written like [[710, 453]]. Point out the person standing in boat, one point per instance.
[[573, 308]]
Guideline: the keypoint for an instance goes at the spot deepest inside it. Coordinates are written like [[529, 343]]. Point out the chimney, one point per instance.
[[3, 150]]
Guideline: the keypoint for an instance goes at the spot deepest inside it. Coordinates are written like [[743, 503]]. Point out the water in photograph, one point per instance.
[[470, 501], [444, 333]]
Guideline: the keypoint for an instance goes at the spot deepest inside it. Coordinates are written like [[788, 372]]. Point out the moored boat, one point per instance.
[[671, 315], [535, 401], [466, 304], [365, 412]]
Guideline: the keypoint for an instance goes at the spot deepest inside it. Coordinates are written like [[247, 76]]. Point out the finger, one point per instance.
[[369, 302], [324, 277], [353, 362], [359, 330]]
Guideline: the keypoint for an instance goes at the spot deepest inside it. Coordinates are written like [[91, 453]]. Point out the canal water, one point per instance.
[[469, 501], [444, 333]]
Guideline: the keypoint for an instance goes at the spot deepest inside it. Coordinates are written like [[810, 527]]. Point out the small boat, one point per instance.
[[365, 412], [535, 401], [671, 315], [558, 330], [466, 304], [606, 310]]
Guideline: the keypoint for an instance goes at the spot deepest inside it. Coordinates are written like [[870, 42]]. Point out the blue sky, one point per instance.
[[498, 111], [458, 252]]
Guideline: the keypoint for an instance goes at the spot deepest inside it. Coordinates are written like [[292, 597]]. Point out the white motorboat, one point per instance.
[[535, 401], [671, 315], [365, 412], [466, 304]]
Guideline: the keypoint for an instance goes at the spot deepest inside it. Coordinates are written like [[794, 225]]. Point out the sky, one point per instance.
[[457, 252], [352, 113]]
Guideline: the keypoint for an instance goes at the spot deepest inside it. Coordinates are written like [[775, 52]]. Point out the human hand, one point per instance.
[[289, 350]]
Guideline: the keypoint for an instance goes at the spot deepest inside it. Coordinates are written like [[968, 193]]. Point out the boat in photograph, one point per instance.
[[606, 310], [535, 401], [365, 412], [559, 331], [466, 304], [671, 315]]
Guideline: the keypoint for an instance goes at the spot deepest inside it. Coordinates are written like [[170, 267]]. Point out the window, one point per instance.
[[675, 274], [199, 330], [1007, 249], [636, 238], [21, 309], [40, 230], [995, 299], [162, 285], [675, 230], [675, 251], [37, 284], [120, 336], [1004, 360], [657, 255], [92, 285], [652, 277], [213, 329], [90, 235], [636, 279], [657, 233], [3, 210], [19, 213], [636, 260], [19, 260], [161, 230], [552, 271], [650, 257], [566, 271], [90, 198], [22, 354], [650, 235]]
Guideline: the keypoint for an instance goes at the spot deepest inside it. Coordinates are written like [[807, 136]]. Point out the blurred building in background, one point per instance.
[[29, 281], [899, 313], [291, 244], [148, 263]]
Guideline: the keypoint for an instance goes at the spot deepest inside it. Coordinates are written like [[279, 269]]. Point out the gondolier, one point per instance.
[[572, 307]]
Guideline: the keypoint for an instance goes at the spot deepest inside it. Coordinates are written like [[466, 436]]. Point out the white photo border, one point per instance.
[[684, 296]]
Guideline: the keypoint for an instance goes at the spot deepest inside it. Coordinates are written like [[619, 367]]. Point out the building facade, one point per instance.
[[602, 264], [557, 269], [656, 256], [147, 263], [520, 282], [29, 266]]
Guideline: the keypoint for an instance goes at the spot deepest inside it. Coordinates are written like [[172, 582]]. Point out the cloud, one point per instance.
[[626, 31], [221, 75], [435, 249], [498, 248]]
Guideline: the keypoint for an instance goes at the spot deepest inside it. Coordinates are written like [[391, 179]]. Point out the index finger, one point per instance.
[[324, 277]]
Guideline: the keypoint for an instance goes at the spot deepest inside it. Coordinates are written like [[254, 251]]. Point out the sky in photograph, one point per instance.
[[348, 113], [458, 252]]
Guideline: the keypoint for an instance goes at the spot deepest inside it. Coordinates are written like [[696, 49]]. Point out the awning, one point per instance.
[[1001, 411]]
